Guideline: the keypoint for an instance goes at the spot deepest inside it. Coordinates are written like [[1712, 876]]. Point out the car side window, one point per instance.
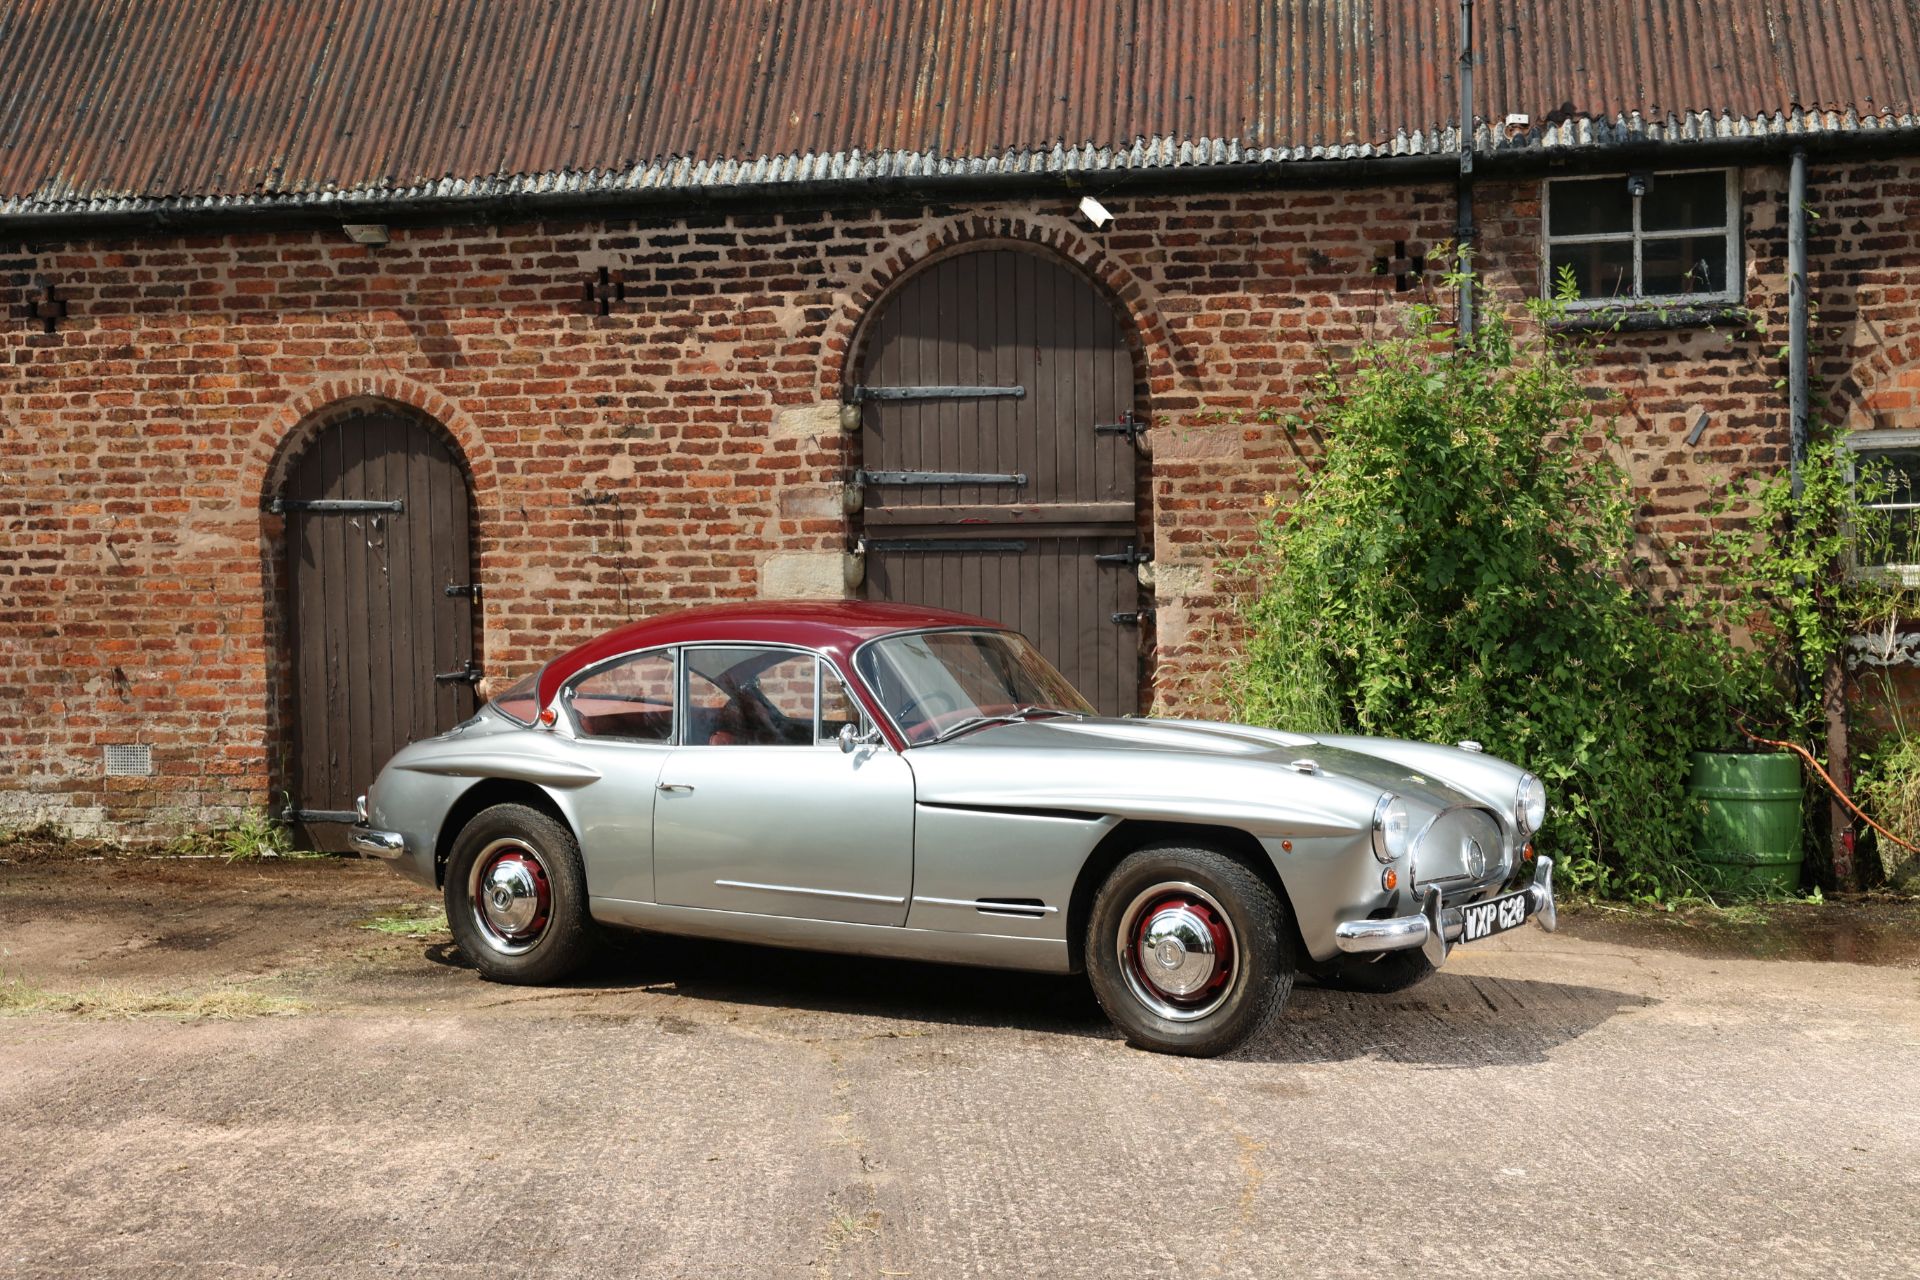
[[750, 697], [838, 709], [630, 699]]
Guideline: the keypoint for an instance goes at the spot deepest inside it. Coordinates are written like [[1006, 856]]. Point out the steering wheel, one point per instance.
[[924, 704]]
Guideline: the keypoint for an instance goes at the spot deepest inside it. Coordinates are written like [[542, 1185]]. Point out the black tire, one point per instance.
[[1241, 999], [1380, 975], [557, 936]]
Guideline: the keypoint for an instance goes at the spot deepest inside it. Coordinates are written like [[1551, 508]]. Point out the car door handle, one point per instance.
[[676, 786]]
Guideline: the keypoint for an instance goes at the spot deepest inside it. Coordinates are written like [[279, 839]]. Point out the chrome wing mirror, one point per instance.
[[851, 739]]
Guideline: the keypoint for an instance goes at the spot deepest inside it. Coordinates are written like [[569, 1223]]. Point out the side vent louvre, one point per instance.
[[1025, 908]]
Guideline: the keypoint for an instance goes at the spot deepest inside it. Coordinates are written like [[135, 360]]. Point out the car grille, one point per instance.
[[1462, 847]]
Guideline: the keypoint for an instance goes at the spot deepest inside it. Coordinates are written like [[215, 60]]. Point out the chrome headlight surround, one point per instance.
[[1529, 804], [1392, 828]]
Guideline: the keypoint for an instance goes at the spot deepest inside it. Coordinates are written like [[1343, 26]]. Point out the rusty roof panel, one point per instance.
[[125, 104]]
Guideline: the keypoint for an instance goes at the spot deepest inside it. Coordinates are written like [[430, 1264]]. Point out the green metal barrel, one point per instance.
[[1749, 810]]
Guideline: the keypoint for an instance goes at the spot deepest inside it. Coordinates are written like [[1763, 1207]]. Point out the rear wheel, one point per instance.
[[1188, 950], [1380, 975], [517, 897]]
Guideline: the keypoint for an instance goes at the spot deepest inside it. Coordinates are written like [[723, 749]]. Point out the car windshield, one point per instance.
[[937, 683]]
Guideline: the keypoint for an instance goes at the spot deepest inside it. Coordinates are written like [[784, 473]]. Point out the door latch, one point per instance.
[[469, 674], [1129, 426], [1132, 557]]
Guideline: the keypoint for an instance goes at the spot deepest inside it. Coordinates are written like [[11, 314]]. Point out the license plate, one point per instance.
[[1484, 919]]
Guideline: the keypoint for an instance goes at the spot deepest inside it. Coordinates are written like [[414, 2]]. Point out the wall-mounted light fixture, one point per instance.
[[374, 233], [1095, 212]]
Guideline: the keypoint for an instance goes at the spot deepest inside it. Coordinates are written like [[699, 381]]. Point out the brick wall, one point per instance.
[[686, 447]]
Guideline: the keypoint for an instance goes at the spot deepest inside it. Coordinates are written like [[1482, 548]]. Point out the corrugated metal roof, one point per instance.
[[127, 104]]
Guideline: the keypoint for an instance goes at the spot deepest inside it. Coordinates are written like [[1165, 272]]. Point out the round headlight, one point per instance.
[[1530, 804], [1392, 828]]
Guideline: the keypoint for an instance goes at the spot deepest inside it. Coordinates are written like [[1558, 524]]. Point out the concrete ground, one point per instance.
[[215, 1070]]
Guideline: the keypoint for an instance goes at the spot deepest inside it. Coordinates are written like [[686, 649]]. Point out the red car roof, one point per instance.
[[835, 627]]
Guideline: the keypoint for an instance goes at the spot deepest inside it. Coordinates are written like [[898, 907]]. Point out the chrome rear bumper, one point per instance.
[[377, 844], [1438, 925]]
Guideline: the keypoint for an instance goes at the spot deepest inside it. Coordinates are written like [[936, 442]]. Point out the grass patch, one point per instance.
[[411, 920], [18, 999]]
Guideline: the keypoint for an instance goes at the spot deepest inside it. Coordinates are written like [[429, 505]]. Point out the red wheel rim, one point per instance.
[[511, 895], [1178, 951]]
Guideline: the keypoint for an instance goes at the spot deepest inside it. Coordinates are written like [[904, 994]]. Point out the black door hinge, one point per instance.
[[469, 674], [861, 395], [335, 506], [469, 589], [1133, 619]]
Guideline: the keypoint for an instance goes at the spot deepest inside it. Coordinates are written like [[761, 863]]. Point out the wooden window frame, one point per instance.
[[1905, 573], [1729, 231]]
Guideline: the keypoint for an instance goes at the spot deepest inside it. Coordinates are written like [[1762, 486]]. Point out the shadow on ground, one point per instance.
[[1450, 1020]]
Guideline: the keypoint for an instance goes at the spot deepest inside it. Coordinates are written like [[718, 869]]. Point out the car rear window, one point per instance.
[[522, 702]]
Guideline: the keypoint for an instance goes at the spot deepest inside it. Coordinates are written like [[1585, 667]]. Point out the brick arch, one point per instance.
[[280, 440], [302, 416], [1146, 333], [1882, 391]]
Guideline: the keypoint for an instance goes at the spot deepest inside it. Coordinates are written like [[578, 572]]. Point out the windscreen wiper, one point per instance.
[[1017, 716]]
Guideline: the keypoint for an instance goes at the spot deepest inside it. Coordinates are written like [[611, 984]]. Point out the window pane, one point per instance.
[[1901, 543], [1684, 264], [749, 697], [1601, 270], [932, 681], [1889, 476], [1895, 474], [522, 701], [837, 706], [632, 699], [1590, 206], [1681, 201]]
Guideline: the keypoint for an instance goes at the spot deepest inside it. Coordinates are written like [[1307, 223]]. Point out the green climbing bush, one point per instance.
[[1464, 564]]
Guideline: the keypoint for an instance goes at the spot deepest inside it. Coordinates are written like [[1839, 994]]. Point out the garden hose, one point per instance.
[[1845, 799]]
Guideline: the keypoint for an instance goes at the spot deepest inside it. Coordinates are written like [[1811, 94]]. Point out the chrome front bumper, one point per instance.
[[1438, 925], [377, 844]]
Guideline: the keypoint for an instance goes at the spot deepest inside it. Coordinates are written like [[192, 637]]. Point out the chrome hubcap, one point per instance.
[[511, 896], [1178, 951]]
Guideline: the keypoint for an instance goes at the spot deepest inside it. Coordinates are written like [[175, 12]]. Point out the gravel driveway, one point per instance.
[[217, 1070]]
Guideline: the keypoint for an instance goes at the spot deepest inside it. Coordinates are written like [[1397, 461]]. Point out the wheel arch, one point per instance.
[[1132, 834], [483, 795]]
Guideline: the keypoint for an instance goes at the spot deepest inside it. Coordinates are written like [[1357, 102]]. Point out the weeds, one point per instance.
[[412, 920], [254, 835]]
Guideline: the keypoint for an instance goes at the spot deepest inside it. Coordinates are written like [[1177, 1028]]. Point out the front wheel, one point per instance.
[[1188, 950], [517, 896]]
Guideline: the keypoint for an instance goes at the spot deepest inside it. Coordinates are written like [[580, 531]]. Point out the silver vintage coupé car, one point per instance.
[[898, 781]]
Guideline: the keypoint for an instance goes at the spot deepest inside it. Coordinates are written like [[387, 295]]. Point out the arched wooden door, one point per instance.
[[998, 460], [380, 587]]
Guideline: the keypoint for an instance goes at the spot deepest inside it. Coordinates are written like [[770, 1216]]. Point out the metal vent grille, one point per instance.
[[129, 760]]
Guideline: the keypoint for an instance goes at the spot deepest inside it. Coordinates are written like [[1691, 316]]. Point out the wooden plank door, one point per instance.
[[986, 483], [379, 527]]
